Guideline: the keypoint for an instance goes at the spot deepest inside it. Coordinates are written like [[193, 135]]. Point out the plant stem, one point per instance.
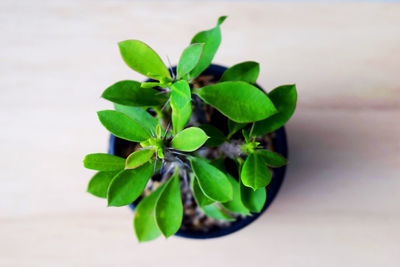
[[162, 116], [251, 130]]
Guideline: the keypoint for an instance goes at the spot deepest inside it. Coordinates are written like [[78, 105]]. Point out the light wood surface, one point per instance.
[[340, 202]]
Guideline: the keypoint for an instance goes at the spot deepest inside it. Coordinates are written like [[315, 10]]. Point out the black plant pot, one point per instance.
[[279, 144]]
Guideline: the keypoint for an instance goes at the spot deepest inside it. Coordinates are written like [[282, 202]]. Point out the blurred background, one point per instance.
[[340, 202]]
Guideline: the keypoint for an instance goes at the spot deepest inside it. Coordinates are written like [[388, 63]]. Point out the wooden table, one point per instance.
[[340, 202]]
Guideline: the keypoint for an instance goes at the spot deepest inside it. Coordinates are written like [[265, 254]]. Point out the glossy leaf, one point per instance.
[[255, 173], [103, 162], [214, 212], [234, 127], [99, 183], [254, 200], [128, 185], [181, 105], [180, 94], [216, 136], [189, 59], [181, 117], [123, 126], [239, 101], [144, 222], [169, 208], [211, 40], [138, 158], [246, 71], [272, 159], [214, 183], [198, 194], [140, 115], [235, 205], [189, 139], [141, 58], [130, 93], [284, 98]]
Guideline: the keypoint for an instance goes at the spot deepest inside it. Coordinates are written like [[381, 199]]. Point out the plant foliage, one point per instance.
[[161, 118]]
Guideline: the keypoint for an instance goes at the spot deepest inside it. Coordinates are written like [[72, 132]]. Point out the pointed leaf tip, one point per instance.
[[211, 39], [221, 20]]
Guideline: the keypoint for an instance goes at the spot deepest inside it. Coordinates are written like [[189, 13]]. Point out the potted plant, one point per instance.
[[198, 150]]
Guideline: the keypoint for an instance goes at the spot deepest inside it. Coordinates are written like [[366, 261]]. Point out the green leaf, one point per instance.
[[103, 162], [246, 71], [189, 139], [221, 20], [211, 40], [144, 222], [169, 208], [214, 212], [239, 101], [98, 185], [128, 185], [181, 105], [214, 183], [181, 117], [160, 153], [123, 126], [180, 94], [130, 93], [140, 115], [272, 159], [234, 127], [141, 58], [235, 205], [253, 200], [138, 158], [198, 195], [255, 173], [216, 136], [150, 84], [189, 59], [284, 98]]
